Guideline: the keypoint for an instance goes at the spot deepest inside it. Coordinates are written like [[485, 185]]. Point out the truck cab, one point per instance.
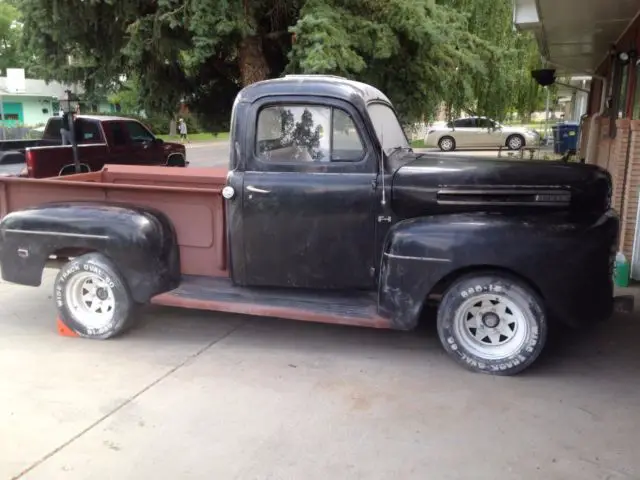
[[304, 170], [326, 214]]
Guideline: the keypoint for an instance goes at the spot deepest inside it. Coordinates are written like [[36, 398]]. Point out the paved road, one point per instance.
[[208, 154], [197, 395]]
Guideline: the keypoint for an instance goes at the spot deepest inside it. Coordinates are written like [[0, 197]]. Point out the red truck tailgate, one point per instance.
[[43, 162]]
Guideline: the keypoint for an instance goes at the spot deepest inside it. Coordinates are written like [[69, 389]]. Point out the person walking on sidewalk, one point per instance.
[[182, 129]]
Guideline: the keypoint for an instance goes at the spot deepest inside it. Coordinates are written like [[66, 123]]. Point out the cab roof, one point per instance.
[[321, 85]]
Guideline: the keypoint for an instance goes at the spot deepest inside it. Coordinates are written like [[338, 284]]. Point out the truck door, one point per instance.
[[143, 147], [307, 196]]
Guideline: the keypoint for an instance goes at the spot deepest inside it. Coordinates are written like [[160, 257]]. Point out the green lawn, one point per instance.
[[417, 144], [198, 137]]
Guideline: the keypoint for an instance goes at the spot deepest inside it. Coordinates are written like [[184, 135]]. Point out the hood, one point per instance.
[[173, 147], [426, 184]]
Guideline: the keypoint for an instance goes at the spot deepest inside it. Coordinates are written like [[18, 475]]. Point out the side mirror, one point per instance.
[[159, 141]]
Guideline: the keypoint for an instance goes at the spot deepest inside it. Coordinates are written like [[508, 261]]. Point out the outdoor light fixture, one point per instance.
[[70, 104], [544, 77]]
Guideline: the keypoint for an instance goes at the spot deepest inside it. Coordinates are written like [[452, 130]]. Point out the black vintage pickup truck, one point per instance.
[[326, 214]]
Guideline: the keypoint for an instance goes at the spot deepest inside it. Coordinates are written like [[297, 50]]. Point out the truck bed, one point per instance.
[[190, 197]]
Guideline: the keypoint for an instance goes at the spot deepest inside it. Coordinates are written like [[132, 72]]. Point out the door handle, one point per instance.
[[253, 189]]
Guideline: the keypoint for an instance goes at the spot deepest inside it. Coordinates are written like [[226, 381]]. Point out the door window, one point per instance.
[[138, 133], [294, 133], [485, 123], [117, 133], [464, 123], [307, 133]]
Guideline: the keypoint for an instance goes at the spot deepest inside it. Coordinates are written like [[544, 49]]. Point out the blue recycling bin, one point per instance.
[[565, 137]]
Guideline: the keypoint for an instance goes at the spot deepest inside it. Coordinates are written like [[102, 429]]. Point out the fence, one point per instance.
[[23, 132]]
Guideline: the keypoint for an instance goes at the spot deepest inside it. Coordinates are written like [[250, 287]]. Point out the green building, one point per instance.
[[30, 102]]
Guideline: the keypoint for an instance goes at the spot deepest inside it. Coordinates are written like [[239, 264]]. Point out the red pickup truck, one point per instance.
[[100, 139]]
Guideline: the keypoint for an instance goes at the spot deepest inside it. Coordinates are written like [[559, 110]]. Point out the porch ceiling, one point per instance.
[[575, 35]]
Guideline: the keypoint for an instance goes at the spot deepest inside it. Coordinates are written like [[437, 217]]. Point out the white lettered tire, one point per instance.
[[492, 324], [93, 299]]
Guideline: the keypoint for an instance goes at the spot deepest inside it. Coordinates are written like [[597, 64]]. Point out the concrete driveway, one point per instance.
[[196, 395]]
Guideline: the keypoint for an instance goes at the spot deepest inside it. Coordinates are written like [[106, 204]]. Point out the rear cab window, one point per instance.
[[87, 131]]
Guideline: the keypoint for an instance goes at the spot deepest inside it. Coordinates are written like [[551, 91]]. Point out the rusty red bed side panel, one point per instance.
[[190, 197]]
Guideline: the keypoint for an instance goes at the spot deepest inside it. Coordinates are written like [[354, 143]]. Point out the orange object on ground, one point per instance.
[[64, 330]]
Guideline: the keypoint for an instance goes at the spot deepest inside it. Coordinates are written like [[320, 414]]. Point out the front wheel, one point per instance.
[[492, 324], [92, 297], [176, 160]]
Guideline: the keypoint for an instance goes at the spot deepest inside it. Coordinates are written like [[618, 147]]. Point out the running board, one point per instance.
[[220, 295]]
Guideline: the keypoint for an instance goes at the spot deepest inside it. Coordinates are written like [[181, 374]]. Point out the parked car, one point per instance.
[[326, 215], [100, 139], [479, 132]]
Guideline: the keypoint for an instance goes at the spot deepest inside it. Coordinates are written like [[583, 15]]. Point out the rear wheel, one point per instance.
[[515, 142], [492, 324], [447, 144], [92, 297]]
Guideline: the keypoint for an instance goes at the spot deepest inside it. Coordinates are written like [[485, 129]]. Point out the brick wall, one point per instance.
[[629, 210], [616, 155], [618, 160]]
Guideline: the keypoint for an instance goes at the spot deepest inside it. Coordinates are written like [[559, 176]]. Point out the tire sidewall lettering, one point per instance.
[[116, 285], [487, 288], [465, 290]]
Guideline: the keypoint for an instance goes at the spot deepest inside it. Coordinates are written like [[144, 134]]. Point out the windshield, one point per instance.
[[388, 128]]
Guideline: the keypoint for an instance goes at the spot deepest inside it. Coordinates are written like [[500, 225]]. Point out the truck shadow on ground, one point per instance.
[[601, 350]]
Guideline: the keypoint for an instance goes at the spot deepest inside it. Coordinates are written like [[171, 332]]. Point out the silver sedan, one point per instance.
[[479, 132]]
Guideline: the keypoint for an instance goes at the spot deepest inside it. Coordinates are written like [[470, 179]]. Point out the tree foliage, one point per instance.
[[13, 53], [420, 52]]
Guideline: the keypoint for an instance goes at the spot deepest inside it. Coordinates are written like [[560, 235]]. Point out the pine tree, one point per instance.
[[420, 52]]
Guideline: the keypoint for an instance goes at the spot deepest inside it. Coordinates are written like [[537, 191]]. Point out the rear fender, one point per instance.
[[139, 240], [567, 263]]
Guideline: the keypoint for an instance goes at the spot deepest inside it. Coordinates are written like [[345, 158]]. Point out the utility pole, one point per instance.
[[546, 118]]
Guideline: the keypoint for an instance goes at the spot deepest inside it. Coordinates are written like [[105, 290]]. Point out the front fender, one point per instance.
[[141, 242], [567, 263]]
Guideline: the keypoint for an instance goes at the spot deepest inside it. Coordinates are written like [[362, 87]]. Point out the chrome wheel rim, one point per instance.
[[491, 326], [515, 143], [447, 144], [90, 300]]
